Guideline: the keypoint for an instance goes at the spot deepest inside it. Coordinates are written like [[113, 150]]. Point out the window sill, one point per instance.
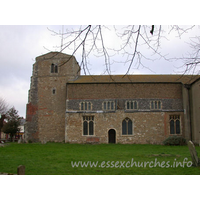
[[127, 135], [89, 135]]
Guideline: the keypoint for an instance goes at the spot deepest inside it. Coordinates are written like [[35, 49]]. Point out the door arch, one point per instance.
[[112, 136]]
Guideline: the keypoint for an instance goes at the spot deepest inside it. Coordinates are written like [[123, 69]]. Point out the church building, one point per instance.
[[129, 109]]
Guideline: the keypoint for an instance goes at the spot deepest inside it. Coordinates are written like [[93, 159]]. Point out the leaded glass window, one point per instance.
[[127, 127], [175, 127], [108, 105], [86, 106], [131, 105], [155, 105], [88, 125]]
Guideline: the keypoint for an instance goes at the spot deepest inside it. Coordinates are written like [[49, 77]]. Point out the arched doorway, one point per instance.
[[111, 136]]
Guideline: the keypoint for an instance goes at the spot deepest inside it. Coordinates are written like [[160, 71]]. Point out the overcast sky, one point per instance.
[[21, 44]]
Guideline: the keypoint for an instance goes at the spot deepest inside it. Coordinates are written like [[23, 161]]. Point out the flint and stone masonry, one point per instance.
[[66, 106]]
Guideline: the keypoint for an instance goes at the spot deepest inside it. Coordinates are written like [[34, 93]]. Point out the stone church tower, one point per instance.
[[45, 118], [133, 109]]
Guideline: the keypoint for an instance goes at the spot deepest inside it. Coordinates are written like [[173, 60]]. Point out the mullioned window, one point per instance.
[[131, 105], [88, 125], [175, 124], [155, 105], [108, 105], [86, 105], [54, 68], [127, 127]]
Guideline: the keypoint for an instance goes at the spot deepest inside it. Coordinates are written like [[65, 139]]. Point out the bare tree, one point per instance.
[[3, 106], [132, 39], [191, 61], [3, 110]]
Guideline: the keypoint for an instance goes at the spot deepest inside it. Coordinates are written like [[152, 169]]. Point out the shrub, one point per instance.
[[175, 140]]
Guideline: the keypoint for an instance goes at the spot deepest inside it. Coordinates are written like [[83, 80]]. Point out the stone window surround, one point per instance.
[[54, 68], [91, 118], [132, 131], [157, 104], [87, 105], [177, 117], [131, 102], [53, 91], [110, 105]]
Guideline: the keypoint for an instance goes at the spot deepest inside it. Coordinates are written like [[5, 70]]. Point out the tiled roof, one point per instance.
[[185, 79]]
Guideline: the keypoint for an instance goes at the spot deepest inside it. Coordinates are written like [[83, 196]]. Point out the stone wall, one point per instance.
[[187, 111], [47, 97], [31, 125], [148, 127], [195, 111], [125, 91], [143, 104]]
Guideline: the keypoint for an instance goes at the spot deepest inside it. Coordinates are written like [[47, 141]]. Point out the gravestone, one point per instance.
[[21, 170], [19, 141], [44, 141], [193, 153]]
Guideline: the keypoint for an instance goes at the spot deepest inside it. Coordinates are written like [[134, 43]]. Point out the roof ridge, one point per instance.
[[164, 78]]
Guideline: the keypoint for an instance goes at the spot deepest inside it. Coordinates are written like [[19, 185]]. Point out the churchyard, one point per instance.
[[99, 159]]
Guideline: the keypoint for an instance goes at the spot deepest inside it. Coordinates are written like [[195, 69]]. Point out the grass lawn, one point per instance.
[[56, 158]]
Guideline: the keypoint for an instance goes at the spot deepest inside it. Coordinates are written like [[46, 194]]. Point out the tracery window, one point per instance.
[[127, 128], [88, 125], [175, 125]]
